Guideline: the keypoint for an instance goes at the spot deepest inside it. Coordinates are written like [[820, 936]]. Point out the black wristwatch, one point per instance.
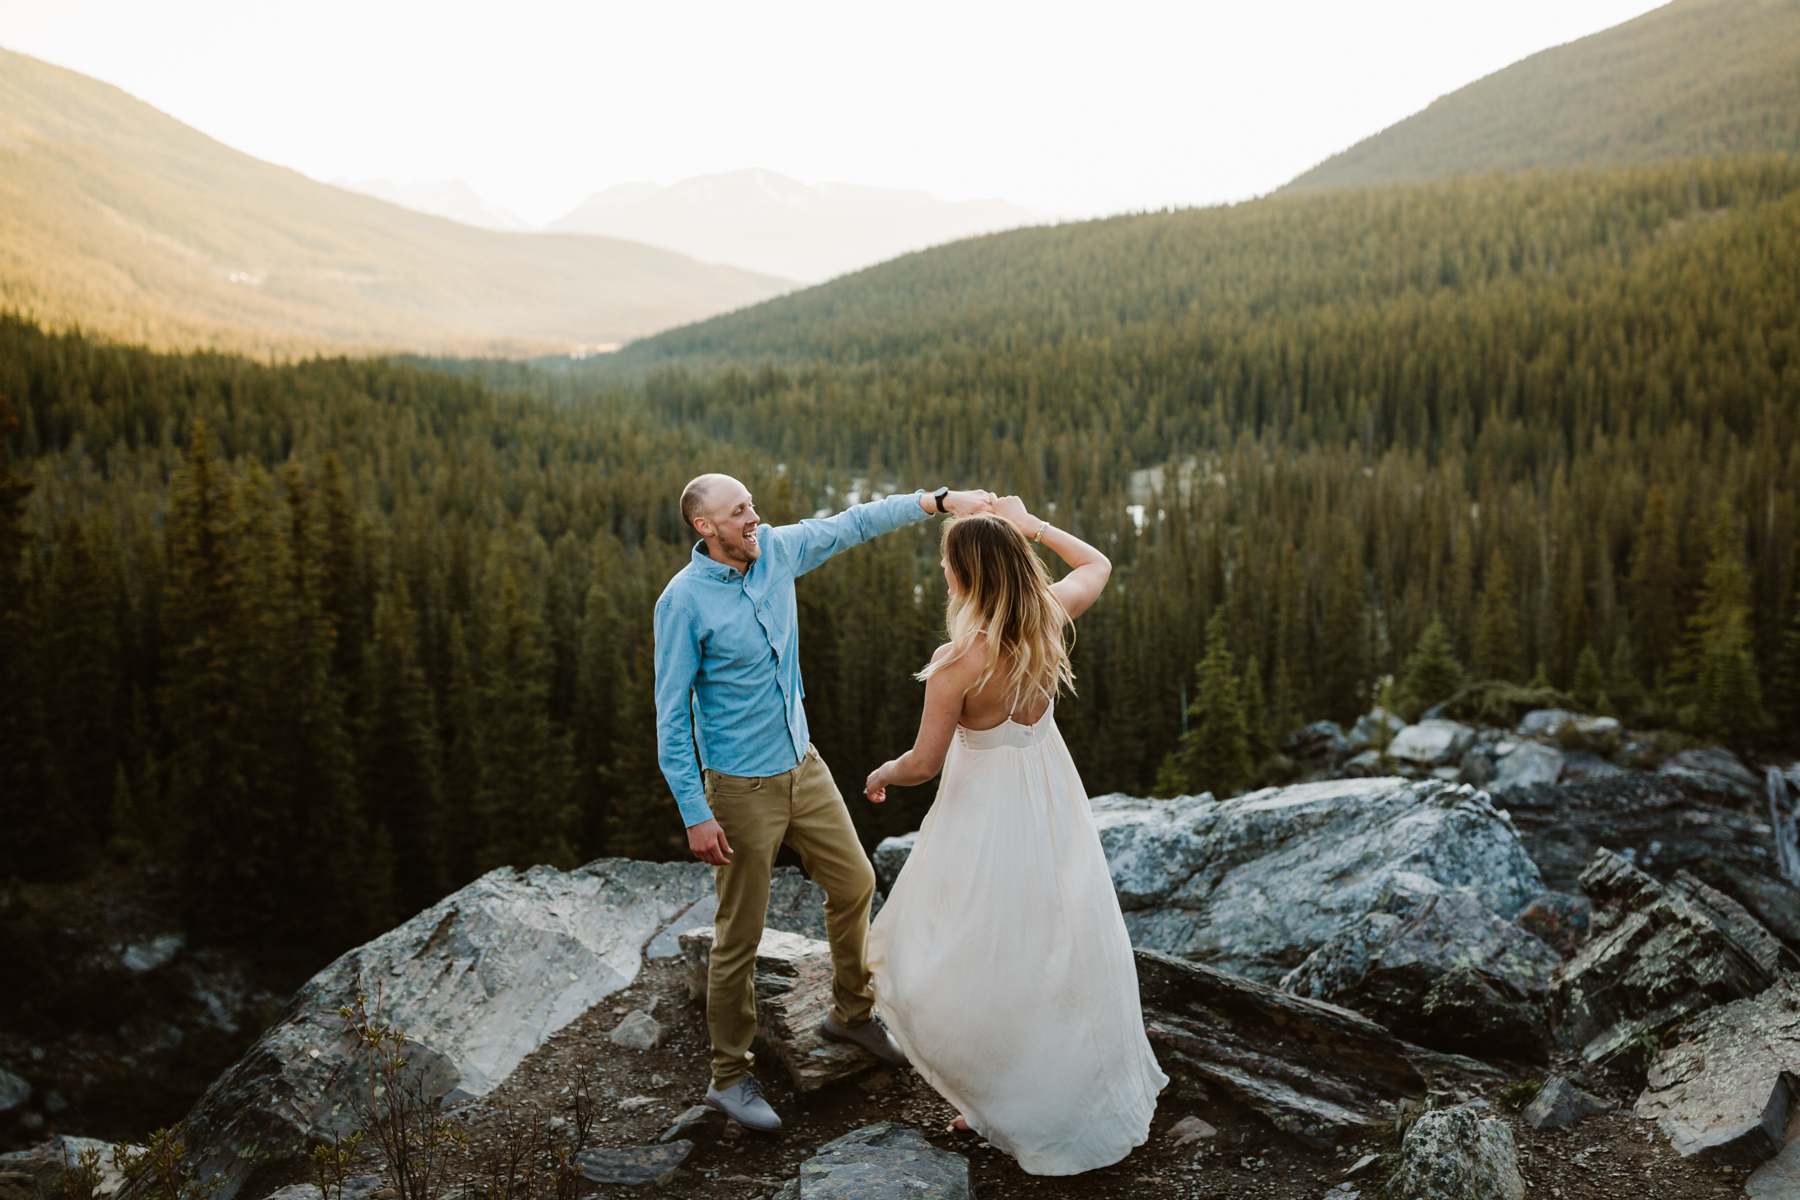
[[938, 498]]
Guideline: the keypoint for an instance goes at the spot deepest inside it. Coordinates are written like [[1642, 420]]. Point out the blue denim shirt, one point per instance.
[[728, 651]]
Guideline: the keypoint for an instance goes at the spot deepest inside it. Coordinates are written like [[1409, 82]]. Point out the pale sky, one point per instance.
[[1069, 110]]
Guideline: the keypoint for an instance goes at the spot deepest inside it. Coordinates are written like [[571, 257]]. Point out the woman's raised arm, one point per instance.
[[1089, 569]]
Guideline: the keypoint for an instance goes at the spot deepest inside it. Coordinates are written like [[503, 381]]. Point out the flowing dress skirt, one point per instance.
[[1001, 964]]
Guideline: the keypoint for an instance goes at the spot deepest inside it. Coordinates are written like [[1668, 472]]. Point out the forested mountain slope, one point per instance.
[[1694, 77], [123, 221], [374, 605]]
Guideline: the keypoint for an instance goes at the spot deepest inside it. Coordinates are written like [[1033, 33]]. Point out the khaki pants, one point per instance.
[[804, 809]]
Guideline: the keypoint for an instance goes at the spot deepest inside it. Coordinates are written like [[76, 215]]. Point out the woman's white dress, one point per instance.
[[1001, 964]]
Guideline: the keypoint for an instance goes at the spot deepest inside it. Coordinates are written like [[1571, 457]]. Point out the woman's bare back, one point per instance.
[[987, 706]]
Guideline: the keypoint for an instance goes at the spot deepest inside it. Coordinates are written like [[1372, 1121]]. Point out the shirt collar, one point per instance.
[[705, 564]]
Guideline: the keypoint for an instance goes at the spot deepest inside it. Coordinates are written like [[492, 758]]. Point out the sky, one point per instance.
[[1069, 110]]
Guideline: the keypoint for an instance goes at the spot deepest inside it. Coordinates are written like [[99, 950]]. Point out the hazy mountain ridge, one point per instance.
[[451, 198], [765, 221], [119, 218], [1695, 77]]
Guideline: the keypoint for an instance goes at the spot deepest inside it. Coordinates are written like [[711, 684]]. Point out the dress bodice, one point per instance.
[[1008, 733]]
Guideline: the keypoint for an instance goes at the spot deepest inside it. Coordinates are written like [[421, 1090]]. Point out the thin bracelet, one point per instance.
[[1038, 537]]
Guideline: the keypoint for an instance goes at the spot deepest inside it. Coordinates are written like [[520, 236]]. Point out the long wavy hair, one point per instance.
[[1005, 593]]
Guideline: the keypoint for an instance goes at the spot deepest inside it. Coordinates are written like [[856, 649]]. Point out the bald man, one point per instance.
[[728, 684]]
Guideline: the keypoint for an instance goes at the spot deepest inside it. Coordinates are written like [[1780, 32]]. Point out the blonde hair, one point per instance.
[[1005, 594]]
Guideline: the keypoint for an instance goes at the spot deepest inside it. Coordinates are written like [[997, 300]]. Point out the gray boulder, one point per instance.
[[1320, 740], [1656, 954], [1439, 965], [1374, 728], [1216, 880], [477, 982], [1560, 1102], [883, 1161], [15, 1090], [890, 855], [1712, 771], [1727, 1087], [1464, 1152], [793, 994], [1543, 722], [638, 1031], [655, 1163], [1435, 742], [1362, 765], [1314, 1070], [1525, 763]]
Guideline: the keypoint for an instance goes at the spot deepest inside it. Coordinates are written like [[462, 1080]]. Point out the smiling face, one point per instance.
[[727, 521]]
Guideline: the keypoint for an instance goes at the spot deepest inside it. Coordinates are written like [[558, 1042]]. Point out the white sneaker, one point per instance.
[[743, 1102]]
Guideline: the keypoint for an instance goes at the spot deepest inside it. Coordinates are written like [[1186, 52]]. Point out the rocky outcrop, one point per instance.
[[1519, 764], [883, 1161], [1655, 824], [1728, 1087], [1439, 966], [1464, 1152], [1210, 879], [1316, 1071], [1657, 953], [477, 981], [793, 994]]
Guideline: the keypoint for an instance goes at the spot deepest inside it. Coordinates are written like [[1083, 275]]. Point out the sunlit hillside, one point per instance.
[[117, 218]]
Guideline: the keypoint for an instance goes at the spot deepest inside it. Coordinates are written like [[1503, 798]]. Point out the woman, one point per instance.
[[1000, 961]]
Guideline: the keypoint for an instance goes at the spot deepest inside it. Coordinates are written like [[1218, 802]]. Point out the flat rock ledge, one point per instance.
[[793, 994], [1464, 1152], [1656, 954], [1317, 1071], [477, 982], [1728, 1088]]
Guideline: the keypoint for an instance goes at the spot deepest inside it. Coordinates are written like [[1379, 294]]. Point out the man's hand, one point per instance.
[[963, 504], [707, 839], [875, 787]]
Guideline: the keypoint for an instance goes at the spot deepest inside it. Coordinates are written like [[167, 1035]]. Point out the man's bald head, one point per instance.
[[698, 492]]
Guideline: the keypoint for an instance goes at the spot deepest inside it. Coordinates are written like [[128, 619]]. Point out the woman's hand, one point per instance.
[[1013, 509], [875, 787]]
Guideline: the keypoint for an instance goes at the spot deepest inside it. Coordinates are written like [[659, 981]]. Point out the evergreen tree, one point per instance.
[[399, 757], [1431, 673], [1497, 653], [1655, 584], [1784, 688], [1590, 682], [1717, 672], [1214, 754]]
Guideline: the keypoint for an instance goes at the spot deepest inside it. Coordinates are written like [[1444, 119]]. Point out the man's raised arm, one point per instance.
[[809, 542]]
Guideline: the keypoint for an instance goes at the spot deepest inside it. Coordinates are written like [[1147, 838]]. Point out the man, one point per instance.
[[728, 677]]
